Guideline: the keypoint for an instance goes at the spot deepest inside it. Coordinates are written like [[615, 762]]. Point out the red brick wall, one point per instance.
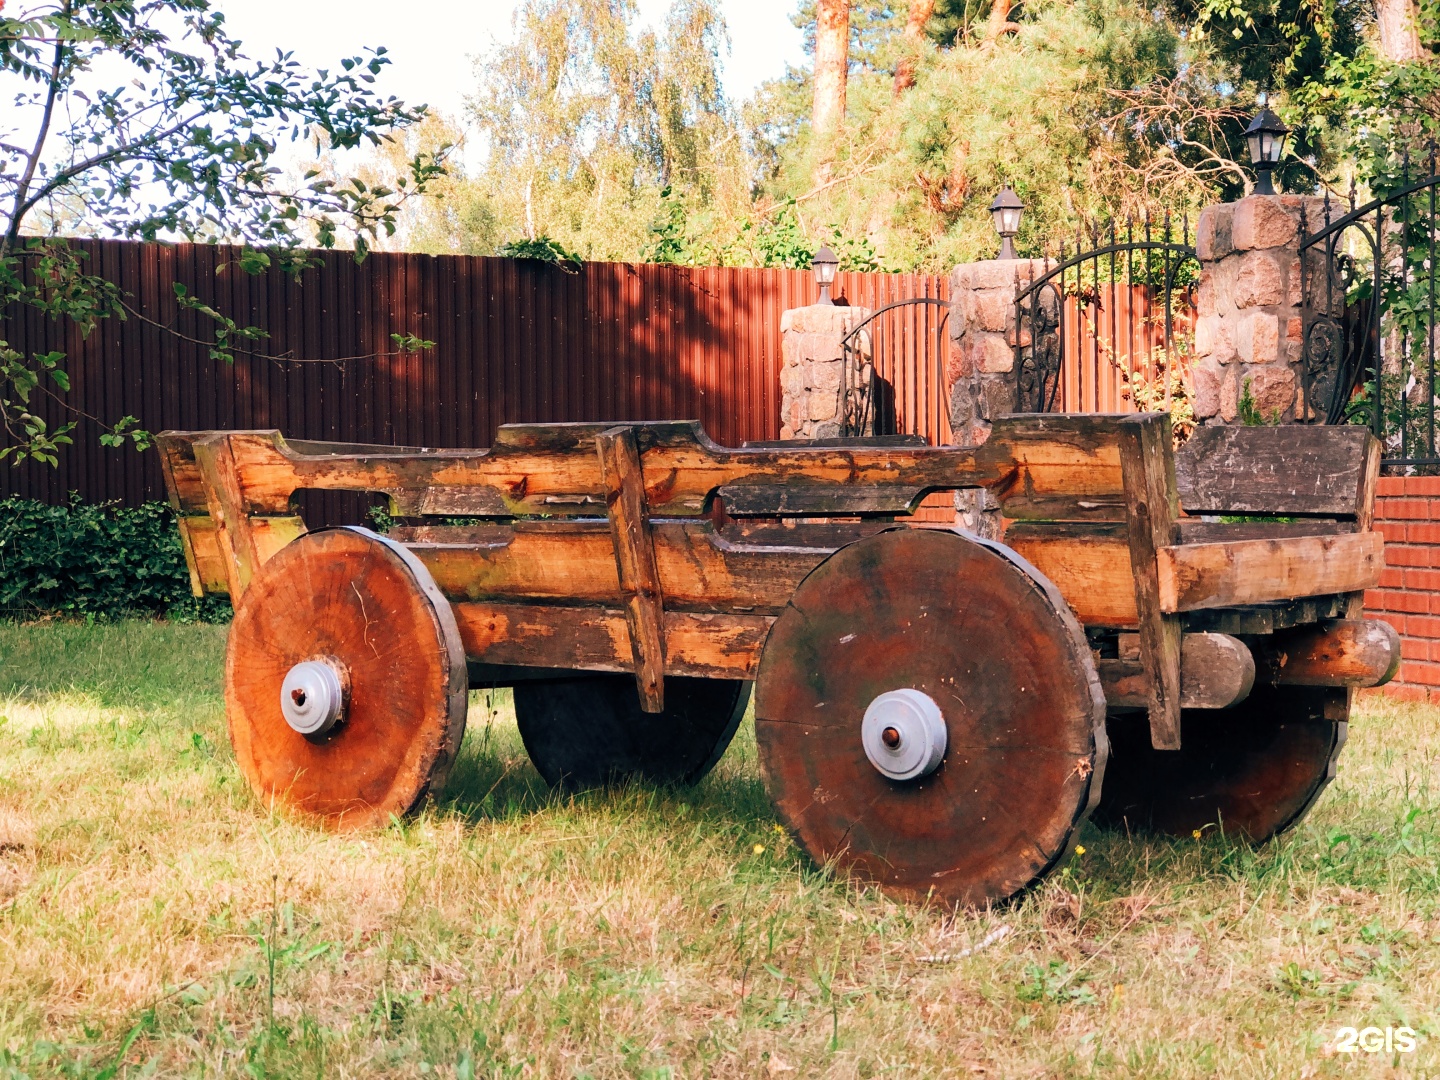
[[1407, 511]]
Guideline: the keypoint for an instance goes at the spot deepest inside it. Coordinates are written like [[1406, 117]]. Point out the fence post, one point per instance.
[[1249, 333], [812, 368]]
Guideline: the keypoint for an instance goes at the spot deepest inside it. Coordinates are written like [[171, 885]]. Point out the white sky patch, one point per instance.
[[432, 41]]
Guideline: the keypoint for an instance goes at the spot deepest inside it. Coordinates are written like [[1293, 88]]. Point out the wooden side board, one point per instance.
[[702, 570], [1276, 469], [552, 471], [1236, 573]]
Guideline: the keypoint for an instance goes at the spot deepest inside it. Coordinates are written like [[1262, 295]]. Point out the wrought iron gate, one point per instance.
[[1109, 328], [1368, 284], [893, 375]]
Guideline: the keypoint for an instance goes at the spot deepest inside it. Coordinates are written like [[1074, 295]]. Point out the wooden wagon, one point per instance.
[[1169, 640]]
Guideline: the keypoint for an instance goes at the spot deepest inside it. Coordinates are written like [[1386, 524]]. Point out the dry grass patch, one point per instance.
[[155, 921]]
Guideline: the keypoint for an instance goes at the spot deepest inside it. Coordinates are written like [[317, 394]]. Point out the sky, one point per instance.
[[431, 41]]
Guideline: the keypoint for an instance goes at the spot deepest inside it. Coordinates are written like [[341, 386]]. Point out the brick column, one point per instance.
[[811, 368], [1407, 512], [1250, 324]]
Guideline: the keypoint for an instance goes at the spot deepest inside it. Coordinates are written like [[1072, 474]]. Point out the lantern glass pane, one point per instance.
[[1256, 153], [1010, 218], [825, 273]]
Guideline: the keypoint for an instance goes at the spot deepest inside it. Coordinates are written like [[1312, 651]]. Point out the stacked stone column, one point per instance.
[[981, 371], [1250, 327], [812, 368]]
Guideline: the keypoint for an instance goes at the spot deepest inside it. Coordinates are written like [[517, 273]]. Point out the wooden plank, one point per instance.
[[540, 470], [269, 534], [1090, 567], [1365, 515], [1347, 652], [598, 639], [1198, 531], [1216, 671], [1266, 618], [1152, 508], [1194, 576], [639, 576], [215, 458], [1286, 469]]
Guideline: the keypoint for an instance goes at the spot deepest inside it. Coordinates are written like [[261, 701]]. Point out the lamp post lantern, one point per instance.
[[1266, 137], [825, 264], [1006, 211]]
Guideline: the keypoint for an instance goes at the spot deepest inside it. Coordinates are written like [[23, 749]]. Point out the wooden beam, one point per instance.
[[598, 639], [200, 537], [1195, 576], [1148, 462], [220, 475], [1347, 652], [639, 575], [1216, 671], [1040, 465]]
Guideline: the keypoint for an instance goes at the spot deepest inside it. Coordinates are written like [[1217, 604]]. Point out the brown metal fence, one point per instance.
[[1116, 336], [517, 341]]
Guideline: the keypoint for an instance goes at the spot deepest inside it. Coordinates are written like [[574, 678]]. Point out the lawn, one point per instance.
[[155, 920]]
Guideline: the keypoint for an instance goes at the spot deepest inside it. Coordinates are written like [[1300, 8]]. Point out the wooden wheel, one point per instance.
[[1012, 736], [590, 730], [1254, 769], [345, 680]]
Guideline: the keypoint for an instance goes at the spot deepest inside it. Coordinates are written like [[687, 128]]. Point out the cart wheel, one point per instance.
[[1254, 769], [590, 730], [345, 680], [928, 714]]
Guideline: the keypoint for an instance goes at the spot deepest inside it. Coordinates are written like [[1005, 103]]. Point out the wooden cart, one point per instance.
[[1171, 640]]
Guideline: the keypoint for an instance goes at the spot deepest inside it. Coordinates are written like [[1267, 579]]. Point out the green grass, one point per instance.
[[154, 920]]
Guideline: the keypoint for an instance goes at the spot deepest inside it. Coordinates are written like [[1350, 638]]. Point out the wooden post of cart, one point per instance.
[[937, 712]]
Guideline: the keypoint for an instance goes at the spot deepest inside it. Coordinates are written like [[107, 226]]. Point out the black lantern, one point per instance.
[[1266, 136], [825, 264], [1006, 211]]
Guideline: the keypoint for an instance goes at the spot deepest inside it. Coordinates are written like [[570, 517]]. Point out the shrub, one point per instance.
[[98, 561]]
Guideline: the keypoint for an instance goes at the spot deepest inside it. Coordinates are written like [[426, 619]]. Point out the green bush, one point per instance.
[[96, 561]]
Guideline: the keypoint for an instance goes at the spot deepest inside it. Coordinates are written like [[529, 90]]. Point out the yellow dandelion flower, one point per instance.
[[1196, 834], [1079, 849], [759, 849]]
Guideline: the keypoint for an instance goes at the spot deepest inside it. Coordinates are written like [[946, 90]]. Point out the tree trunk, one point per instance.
[[832, 64], [1399, 39], [920, 12], [999, 22]]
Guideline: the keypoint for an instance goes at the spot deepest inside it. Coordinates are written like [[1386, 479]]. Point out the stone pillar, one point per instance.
[[811, 368], [982, 376], [1250, 325], [981, 373]]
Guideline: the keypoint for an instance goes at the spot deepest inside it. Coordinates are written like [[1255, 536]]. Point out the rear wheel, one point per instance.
[[1254, 769], [590, 730]]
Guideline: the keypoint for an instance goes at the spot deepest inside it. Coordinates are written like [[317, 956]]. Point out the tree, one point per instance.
[[832, 65], [586, 120], [916, 21], [144, 118]]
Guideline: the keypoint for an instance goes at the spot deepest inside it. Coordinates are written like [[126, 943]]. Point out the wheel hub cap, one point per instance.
[[904, 734], [312, 697]]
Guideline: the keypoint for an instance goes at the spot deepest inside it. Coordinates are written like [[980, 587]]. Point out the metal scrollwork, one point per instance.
[[1037, 328], [1323, 356]]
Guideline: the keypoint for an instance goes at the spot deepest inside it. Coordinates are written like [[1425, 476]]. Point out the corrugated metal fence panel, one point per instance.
[[516, 342]]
